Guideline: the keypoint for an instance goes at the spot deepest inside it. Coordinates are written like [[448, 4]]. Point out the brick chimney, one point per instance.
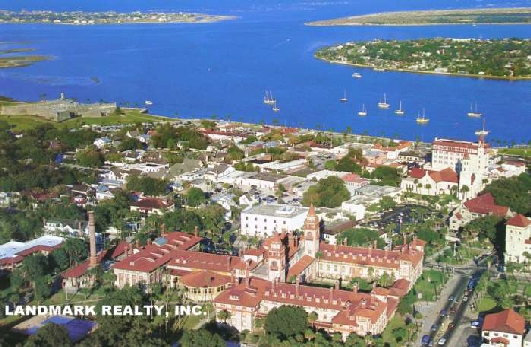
[[92, 239], [331, 296], [163, 229], [196, 231], [297, 285], [137, 243]]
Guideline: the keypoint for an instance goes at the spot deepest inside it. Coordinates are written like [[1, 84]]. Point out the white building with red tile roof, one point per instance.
[[145, 265], [469, 159], [505, 328], [430, 182], [518, 239], [481, 206]]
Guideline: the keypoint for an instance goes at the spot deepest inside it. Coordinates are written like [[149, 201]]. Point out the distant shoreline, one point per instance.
[[484, 16], [429, 72], [108, 18]]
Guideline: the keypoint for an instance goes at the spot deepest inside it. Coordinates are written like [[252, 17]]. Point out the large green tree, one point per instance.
[[286, 321], [328, 192], [195, 197], [201, 338], [50, 335], [514, 192]]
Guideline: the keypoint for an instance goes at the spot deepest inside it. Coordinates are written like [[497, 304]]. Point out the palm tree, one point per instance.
[[223, 315], [464, 190]]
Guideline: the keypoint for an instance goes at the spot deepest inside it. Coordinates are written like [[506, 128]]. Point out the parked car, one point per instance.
[[443, 313], [451, 298], [442, 341], [425, 339], [434, 327]]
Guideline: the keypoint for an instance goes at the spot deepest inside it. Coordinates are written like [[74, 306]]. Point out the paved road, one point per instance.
[[456, 286]]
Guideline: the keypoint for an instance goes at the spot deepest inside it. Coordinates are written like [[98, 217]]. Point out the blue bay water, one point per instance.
[[222, 69]]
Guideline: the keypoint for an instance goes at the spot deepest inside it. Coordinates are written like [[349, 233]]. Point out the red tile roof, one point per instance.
[[207, 261], [153, 256], [501, 340], [484, 204], [519, 220], [417, 173], [366, 256], [352, 177], [39, 248], [243, 294], [300, 266], [455, 144], [506, 321], [152, 203], [446, 175], [13, 260], [120, 249], [80, 269], [204, 279]]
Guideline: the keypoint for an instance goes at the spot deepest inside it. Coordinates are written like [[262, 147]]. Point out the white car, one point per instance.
[[442, 341]]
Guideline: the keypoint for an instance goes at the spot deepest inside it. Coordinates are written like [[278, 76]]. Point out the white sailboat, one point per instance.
[[344, 98], [423, 119], [148, 102], [268, 98], [474, 112], [363, 111], [400, 112], [356, 75], [383, 104], [275, 107]]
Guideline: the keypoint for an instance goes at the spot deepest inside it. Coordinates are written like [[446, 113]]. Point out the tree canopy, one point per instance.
[[361, 237], [195, 197], [201, 338], [50, 335], [514, 192], [328, 192], [286, 321], [147, 185]]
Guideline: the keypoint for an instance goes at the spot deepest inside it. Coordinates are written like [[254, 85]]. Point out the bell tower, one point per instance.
[[311, 233], [276, 258]]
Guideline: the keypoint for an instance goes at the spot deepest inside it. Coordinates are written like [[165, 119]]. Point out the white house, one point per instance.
[[517, 239], [264, 220], [505, 329], [101, 142], [69, 227]]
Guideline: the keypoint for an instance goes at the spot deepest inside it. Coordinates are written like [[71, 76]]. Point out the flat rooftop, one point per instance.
[[277, 210]]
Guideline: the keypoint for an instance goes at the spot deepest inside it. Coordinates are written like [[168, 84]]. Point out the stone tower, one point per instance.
[[312, 233], [276, 258]]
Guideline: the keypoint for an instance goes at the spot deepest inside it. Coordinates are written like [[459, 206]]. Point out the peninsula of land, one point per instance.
[[501, 59], [436, 17], [111, 17], [18, 57]]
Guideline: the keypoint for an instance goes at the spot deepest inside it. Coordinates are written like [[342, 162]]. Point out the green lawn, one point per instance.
[[430, 283], [486, 304], [130, 117], [24, 122], [395, 323], [520, 151]]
